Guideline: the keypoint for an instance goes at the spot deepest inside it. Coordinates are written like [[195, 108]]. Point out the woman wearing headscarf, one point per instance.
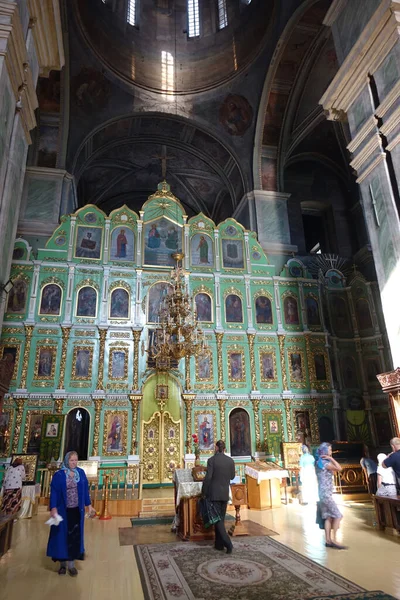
[[68, 497], [326, 466], [12, 488], [307, 476]]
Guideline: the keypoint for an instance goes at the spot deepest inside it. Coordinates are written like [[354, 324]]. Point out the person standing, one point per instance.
[[12, 488], [220, 472], [386, 479], [393, 459], [307, 476], [326, 466], [69, 495]]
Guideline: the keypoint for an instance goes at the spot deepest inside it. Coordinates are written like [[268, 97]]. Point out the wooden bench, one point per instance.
[[6, 527], [387, 511]]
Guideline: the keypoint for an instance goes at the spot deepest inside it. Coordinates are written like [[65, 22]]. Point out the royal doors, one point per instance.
[[161, 448]]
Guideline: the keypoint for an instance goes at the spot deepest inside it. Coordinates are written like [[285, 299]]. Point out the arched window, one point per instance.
[[131, 13], [193, 18], [222, 14]]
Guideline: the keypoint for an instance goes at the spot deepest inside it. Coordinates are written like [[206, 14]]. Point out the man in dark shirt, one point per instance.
[[393, 460], [220, 472]]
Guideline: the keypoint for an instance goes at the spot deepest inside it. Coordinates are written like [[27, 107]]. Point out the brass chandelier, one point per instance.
[[178, 334]]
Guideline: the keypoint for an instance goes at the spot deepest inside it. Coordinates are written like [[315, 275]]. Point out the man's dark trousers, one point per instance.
[[222, 539]]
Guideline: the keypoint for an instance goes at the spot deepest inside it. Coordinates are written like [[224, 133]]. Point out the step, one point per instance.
[[157, 501], [154, 509], [160, 520]]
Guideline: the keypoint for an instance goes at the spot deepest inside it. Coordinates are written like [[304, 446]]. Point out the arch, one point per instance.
[[239, 432], [263, 308], [86, 302], [50, 299], [290, 309], [120, 304], [233, 309], [204, 307], [77, 432]]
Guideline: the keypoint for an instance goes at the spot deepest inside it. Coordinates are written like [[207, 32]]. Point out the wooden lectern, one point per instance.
[[239, 498]]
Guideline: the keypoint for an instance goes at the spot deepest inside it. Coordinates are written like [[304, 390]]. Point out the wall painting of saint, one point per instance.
[[203, 307], [50, 300], [232, 254], [17, 297], [86, 304], [119, 304], [206, 431], [161, 239], [201, 250], [156, 296], [122, 244], [233, 309], [291, 311], [239, 429], [263, 310], [236, 366]]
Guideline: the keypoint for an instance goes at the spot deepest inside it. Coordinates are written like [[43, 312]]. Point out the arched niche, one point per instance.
[[239, 432], [77, 432]]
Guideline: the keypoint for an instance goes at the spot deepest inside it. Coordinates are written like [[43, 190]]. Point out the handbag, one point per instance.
[[319, 520], [208, 512]]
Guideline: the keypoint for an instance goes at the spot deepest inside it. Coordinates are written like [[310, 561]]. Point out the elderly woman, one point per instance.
[[68, 497], [325, 467], [12, 488]]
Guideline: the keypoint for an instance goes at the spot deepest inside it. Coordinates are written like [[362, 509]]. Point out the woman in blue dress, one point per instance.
[[326, 466], [69, 495]]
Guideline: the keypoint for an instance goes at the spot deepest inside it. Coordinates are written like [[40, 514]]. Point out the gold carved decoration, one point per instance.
[[120, 334], [188, 400], [281, 340], [12, 331], [222, 404], [96, 433], [256, 406], [17, 429], [47, 331], [267, 356], [250, 337], [219, 336], [161, 448], [59, 404], [5, 432], [297, 371], [200, 368], [66, 331], [82, 372], [100, 372], [84, 333], [136, 338], [25, 362], [45, 377], [288, 420], [135, 400], [233, 381], [28, 417]]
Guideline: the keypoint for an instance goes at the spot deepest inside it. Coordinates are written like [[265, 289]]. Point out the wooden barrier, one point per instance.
[[387, 511]]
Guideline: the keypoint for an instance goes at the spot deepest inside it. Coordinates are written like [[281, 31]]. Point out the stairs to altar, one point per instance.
[[155, 508]]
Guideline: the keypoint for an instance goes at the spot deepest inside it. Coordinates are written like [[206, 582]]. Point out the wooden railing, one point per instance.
[[124, 483]]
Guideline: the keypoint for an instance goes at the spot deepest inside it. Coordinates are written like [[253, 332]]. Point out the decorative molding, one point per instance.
[[48, 35]]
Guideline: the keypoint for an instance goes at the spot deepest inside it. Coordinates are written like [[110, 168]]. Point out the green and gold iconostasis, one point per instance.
[[289, 353]]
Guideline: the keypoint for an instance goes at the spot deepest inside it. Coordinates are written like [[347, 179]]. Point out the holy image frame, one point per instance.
[[50, 445], [81, 286], [297, 367], [30, 462], [203, 292], [115, 427], [118, 350], [202, 418], [115, 287], [81, 231], [81, 368], [232, 355], [30, 417], [229, 262], [268, 382], [272, 438], [51, 313], [320, 383], [291, 455], [41, 362], [201, 366], [6, 425], [160, 243], [12, 344], [266, 325]]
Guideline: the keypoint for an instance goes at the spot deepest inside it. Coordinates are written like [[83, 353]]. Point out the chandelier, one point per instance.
[[178, 334]]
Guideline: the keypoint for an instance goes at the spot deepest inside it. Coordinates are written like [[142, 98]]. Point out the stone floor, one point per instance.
[[110, 571]]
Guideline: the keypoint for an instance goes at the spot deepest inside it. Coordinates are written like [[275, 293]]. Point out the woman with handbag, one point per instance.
[[325, 467]]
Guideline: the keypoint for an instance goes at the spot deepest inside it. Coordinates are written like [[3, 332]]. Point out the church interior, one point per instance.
[[200, 241]]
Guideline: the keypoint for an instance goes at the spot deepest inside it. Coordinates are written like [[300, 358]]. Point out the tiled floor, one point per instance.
[[110, 571]]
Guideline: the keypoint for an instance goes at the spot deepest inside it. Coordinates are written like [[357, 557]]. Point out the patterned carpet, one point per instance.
[[260, 568]]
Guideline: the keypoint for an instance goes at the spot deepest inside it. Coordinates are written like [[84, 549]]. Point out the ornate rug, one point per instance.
[[358, 596], [260, 568]]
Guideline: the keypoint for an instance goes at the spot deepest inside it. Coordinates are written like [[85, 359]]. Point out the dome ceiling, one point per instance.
[[136, 54]]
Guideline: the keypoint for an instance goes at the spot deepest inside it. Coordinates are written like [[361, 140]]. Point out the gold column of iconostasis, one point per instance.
[[161, 429]]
